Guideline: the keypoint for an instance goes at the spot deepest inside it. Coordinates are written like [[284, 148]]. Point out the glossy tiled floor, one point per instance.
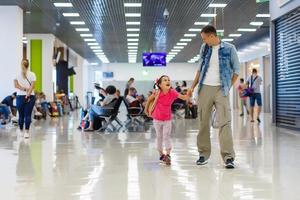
[[61, 163]]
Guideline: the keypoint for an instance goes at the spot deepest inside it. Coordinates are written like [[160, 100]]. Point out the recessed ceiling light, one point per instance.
[[133, 23], [132, 47], [132, 44], [217, 5], [95, 47], [247, 29], [132, 14], [94, 63], [256, 23], [132, 35], [97, 50], [263, 15], [235, 35], [175, 50], [86, 35], [133, 29], [181, 43], [178, 47], [185, 40], [24, 41], [24, 38], [82, 29], [93, 44], [195, 29], [191, 61], [132, 50], [63, 5], [201, 23], [132, 53], [70, 14], [190, 35], [77, 22], [208, 15], [132, 4], [133, 40], [227, 39], [173, 53], [89, 40], [220, 30]]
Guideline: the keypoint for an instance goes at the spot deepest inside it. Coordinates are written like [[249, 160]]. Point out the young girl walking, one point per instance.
[[161, 114]]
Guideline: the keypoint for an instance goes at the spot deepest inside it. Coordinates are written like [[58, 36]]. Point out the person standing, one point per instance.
[[243, 99], [254, 81], [25, 83], [218, 71], [129, 84]]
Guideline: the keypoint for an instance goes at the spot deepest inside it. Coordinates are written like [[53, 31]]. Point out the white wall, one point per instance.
[[281, 7], [11, 33], [81, 79], [144, 76], [176, 71]]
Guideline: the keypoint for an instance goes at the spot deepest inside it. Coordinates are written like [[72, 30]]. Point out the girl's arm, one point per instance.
[[187, 96]]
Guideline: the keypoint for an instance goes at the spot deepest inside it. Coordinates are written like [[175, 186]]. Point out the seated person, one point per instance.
[[9, 102], [40, 107], [132, 99], [4, 112], [96, 110]]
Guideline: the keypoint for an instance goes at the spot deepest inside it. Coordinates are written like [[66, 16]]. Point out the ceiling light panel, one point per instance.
[[208, 15], [70, 14], [227, 39], [132, 5], [247, 29], [235, 35], [195, 29], [185, 40], [190, 35], [256, 23], [201, 23], [132, 39], [262, 15], [133, 29], [217, 5], [89, 40], [133, 35], [132, 14], [82, 29], [77, 22], [86, 35], [63, 5]]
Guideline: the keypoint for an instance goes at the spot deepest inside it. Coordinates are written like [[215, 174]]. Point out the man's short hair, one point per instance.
[[254, 70], [242, 80], [209, 29], [111, 89]]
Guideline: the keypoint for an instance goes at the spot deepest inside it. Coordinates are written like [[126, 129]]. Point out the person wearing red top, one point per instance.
[[243, 99], [162, 115]]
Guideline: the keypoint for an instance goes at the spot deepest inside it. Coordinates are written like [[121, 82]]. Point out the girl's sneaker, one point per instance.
[[167, 159]]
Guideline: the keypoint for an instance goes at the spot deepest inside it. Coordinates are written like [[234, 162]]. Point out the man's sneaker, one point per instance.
[[167, 159], [162, 158], [242, 114], [229, 163], [258, 120], [201, 161]]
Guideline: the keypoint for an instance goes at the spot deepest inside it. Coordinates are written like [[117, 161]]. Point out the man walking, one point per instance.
[[254, 81], [219, 69]]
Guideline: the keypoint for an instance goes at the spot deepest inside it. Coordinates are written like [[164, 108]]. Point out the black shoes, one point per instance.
[[229, 163], [201, 161], [242, 114], [258, 120]]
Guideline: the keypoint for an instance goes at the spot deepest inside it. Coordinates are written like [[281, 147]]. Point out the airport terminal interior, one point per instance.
[[149, 99]]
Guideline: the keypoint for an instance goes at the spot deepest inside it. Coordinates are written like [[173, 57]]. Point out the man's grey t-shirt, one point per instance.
[[256, 84]]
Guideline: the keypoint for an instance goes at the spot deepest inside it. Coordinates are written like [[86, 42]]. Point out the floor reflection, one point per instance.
[[59, 162]]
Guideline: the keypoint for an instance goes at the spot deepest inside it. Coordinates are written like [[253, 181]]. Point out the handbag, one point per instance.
[[150, 106], [248, 92]]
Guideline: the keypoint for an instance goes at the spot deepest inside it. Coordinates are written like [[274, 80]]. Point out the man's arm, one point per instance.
[[235, 63], [196, 80]]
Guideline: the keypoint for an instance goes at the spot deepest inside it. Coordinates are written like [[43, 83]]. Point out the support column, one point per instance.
[[40, 55], [11, 51], [81, 79]]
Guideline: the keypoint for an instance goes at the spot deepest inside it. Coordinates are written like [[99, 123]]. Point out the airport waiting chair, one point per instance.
[[134, 114], [110, 115]]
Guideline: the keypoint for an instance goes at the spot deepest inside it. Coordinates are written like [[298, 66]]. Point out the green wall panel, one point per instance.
[[36, 63], [72, 83]]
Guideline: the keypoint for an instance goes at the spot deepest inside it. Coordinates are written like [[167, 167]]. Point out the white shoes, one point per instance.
[[26, 135]]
